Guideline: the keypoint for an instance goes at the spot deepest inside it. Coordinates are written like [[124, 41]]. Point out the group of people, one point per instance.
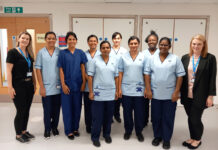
[[109, 77]]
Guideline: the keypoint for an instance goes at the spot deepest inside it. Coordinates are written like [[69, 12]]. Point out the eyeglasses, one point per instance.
[[163, 45]]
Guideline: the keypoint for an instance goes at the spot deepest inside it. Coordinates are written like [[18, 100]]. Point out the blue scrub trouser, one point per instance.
[[51, 108], [117, 107], [71, 108], [102, 113], [163, 116], [136, 104], [87, 110], [147, 101]]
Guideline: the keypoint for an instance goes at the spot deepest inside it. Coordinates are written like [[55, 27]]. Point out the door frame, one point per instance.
[[141, 17]]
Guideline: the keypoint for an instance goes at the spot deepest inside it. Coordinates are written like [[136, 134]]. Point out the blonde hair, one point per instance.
[[29, 47], [205, 45]]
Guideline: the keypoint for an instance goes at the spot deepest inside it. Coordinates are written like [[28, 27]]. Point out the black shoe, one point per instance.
[[156, 141], [96, 143], [30, 136], [71, 137], [76, 133], [47, 134], [185, 144], [166, 145], [108, 139], [126, 136], [140, 137], [22, 139], [88, 129], [55, 132], [118, 119], [194, 147]]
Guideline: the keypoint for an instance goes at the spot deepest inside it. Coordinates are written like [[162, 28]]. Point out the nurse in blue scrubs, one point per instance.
[[163, 79], [103, 90], [71, 63], [91, 53], [117, 51], [131, 88], [152, 41], [49, 81]]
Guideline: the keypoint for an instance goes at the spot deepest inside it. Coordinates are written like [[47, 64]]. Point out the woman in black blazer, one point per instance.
[[198, 88]]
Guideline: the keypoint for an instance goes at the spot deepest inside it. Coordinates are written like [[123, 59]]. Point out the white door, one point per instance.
[[185, 29], [163, 28], [83, 27], [124, 26]]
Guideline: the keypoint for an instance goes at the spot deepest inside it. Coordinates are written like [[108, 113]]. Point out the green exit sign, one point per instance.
[[15, 10]]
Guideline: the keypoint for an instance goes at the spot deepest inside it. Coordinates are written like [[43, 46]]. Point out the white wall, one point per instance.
[[60, 14]]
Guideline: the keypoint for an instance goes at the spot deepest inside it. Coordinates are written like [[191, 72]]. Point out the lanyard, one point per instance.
[[195, 65], [26, 58]]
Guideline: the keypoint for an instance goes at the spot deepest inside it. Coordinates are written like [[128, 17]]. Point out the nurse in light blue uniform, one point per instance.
[[117, 51], [103, 90], [71, 63], [131, 88], [152, 41], [163, 77], [49, 82], [90, 54]]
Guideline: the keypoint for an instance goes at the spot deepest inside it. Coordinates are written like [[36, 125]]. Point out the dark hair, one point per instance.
[[152, 33], [115, 34], [92, 35], [133, 38], [49, 32], [103, 42], [70, 33], [167, 39]]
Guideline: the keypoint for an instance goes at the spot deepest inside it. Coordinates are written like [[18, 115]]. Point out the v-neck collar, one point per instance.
[[132, 58], [164, 59], [49, 53], [90, 53]]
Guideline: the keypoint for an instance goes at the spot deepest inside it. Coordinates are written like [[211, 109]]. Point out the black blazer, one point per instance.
[[205, 80]]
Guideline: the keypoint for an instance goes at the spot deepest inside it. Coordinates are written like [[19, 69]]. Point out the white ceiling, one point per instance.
[[113, 1]]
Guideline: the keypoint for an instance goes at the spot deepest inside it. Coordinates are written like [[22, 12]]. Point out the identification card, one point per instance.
[[29, 74], [193, 80], [58, 86]]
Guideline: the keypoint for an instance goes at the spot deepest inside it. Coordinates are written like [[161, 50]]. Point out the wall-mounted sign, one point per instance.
[[61, 41], [16, 10], [40, 38]]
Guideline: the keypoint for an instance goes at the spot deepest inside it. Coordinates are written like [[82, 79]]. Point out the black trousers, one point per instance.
[[22, 102], [195, 124]]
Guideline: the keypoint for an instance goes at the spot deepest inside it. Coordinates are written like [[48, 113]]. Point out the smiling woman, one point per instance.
[[21, 83], [71, 63]]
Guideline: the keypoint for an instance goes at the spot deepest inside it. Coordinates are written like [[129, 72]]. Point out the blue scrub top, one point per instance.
[[104, 87], [71, 67], [133, 79], [50, 72], [89, 57], [147, 53], [163, 75]]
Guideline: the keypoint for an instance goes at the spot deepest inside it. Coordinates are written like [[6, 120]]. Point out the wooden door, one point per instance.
[[16, 25]]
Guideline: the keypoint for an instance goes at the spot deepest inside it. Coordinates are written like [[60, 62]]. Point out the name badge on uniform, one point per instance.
[[29, 74], [192, 80], [58, 86]]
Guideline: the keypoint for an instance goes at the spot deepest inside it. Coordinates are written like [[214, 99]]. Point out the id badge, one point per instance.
[[58, 86], [29, 74], [193, 80]]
